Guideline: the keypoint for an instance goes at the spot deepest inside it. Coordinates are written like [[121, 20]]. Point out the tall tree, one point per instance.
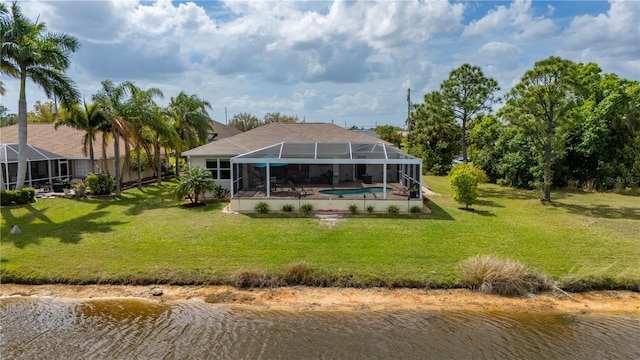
[[434, 136], [111, 99], [191, 122], [467, 92], [390, 133], [142, 113], [88, 118], [245, 122], [540, 106], [29, 52]]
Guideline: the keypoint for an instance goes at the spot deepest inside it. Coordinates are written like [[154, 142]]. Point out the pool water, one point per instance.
[[353, 191]]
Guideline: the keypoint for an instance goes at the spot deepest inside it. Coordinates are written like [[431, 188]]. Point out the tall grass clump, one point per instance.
[[256, 278], [296, 273], [494, 275], [287, 208], [306, 208], [353, 208], [262, 207]]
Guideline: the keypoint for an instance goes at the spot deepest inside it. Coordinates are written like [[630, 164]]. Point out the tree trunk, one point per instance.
[[92, 161], [116, 161], [463, 140], [139, 167], [159, 163], [22, 132], [547, 161], [178, 164]]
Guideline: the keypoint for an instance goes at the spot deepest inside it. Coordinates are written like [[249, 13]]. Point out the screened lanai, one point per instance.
[[327, 164], [42, 166]]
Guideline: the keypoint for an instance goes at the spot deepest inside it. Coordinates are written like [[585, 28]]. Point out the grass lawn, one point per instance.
[[146, 237]]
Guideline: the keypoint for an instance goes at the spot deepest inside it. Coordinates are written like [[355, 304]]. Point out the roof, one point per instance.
[[277, 132], [223, 131], [9, 153], [64, 140], [338, 152]]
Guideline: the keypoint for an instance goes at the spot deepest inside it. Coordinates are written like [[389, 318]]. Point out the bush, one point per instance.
[[25, 196], [306, 208], [415, 209], [370, 209], [100, 184], [353, 208], [193, 183], [262, 207], [256, 278], [296, 273], [392, 209], [464, 180], [219, 191], [7, 197], [493, 275], [287, 208]]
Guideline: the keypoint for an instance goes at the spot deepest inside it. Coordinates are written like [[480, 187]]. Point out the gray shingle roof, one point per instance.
[[277, 132]]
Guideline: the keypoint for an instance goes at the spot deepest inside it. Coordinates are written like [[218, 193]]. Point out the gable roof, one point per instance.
[[277, 132], [223, 131]]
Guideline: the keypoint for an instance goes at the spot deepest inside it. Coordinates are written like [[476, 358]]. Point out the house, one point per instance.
[[274, 161], [64, 154]]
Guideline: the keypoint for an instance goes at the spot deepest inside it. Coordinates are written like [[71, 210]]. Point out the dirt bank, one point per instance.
[[307, 298]]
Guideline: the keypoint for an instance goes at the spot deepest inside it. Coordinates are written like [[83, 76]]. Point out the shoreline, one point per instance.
[[300, 298]]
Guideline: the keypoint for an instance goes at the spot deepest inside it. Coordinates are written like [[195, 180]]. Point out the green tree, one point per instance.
[[277, 117], [464, 179], [193, 183], [43, 113], [191, 122], [245, 122], [434, 135], [390, 133], [29, 52], [88, 118], [467, 92], [7, 118], [111, 99], [484, 151], [540, 106]]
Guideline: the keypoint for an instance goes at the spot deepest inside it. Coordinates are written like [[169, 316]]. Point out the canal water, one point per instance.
[[47, 328]]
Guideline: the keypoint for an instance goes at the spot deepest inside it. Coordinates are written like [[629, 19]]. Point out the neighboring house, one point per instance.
[[303, 153], [65, 147]]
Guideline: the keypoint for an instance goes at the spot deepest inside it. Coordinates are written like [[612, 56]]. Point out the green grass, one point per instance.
[[146, 237]]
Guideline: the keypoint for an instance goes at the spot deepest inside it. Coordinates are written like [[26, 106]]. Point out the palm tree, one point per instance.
[[112, 101], [142, 113], [29, 52], [89, 119], [191, 121]]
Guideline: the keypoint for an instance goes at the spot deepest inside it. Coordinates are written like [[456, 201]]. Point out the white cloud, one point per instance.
[[516, 21]]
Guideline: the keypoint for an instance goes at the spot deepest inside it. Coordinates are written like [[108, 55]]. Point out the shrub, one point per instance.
[[193, 183], [353, 208], [25, 196], [296, 273], [416, 209], [306, 208], [262, 207], [256, 278], [392, 209], [287, 208], [80, 189], [493, 275], [219, 191], [370, 209], [100, 184], [7, 197], [464, 180]]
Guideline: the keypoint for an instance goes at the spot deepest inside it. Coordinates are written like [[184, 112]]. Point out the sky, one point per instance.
[[347, 62]]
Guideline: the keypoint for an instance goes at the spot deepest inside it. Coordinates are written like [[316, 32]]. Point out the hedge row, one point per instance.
[[20, 197]]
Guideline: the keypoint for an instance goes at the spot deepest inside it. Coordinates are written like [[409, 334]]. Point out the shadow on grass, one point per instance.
[[68, 232], [600, 211], [506, 193], [437, 213], [489, 203]]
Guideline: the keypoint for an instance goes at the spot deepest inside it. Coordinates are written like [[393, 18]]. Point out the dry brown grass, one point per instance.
[[256, 278], [494, 275], [297, 273]]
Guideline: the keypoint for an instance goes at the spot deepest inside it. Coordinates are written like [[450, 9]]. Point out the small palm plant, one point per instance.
[[193, 183]]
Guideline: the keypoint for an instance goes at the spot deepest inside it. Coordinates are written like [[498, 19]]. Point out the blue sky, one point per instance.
[[350, 62]]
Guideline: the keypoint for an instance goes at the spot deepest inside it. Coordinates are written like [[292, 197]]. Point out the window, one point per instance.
[[220, 168]]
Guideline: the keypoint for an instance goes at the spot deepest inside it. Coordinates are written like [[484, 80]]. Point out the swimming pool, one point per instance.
[[353, 191]]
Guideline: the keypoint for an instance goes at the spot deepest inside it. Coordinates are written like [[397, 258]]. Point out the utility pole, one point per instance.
[[225, 116], [409, 120]]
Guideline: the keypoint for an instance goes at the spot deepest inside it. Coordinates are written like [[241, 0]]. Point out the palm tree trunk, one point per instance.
[[22, 132], [139, 167], [92, 162], [158, 163], [116, 161], [178, 153]]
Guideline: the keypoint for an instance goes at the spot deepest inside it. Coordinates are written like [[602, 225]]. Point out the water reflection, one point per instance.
[[131, 328]]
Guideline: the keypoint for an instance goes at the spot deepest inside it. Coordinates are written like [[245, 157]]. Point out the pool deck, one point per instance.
[[312, 191]]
